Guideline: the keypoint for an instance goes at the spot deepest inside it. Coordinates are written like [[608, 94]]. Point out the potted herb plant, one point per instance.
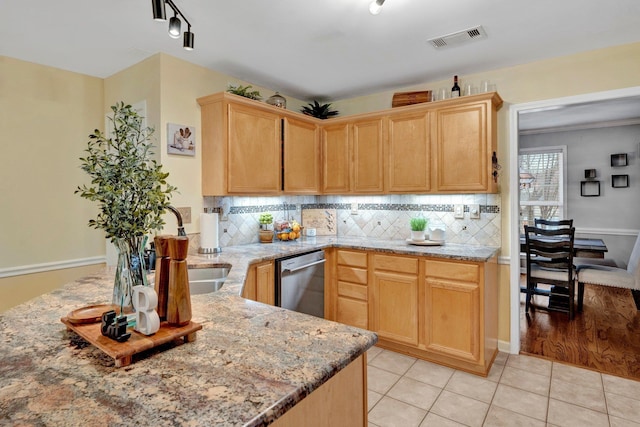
[[266, 228], [131, 191], [418, 225]]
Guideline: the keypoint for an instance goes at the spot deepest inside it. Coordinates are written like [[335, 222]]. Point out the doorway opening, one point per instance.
[[547, 108]]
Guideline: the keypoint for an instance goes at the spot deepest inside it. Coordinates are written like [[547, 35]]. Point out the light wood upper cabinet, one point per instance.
[[367, 141], [408, 153], [352, 157], [440, 147], [254, 150], [464, 138], [301, 157], [336, 159]]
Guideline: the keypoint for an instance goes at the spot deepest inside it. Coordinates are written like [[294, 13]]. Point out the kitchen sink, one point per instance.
[[207, 280]]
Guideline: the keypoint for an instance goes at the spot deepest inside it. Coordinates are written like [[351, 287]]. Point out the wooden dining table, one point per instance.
[[588, 248]]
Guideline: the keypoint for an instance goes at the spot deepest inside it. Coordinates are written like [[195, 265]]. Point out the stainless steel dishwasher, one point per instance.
[[300, 283]]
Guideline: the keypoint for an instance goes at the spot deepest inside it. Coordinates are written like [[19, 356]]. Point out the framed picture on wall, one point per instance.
[[589, 188], [181, 139]]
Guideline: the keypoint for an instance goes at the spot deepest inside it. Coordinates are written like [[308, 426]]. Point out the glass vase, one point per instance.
[[130, 271]]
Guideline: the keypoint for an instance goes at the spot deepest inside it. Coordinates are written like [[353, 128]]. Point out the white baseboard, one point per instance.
[[49, 266], [504, 346]]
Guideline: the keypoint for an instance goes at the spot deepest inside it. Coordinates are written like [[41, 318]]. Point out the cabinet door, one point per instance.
[[301, 157], [409, 153], [265, 286], [368, 163], [336, 161], [395, 307], [463, 157], [254, 151], [452, 315]]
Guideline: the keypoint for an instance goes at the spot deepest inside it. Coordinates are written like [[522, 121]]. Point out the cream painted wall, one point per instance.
[[594, 71], [46, 115]]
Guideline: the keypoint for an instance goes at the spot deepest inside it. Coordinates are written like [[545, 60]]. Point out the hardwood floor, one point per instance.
[[605, 337]]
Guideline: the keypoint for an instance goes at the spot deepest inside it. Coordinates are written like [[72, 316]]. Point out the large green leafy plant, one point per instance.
[[129, 186], [320, 111]]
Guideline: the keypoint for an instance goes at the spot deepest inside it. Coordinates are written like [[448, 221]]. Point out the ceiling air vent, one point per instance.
[[458, 38]]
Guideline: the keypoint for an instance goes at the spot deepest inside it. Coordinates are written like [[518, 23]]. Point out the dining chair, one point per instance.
[[550, 261], [552, 224], [604, 275]]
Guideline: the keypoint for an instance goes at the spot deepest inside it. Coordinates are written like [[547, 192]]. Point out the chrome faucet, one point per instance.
[[176, 212]]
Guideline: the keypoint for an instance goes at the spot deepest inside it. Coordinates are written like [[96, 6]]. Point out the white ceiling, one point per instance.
[[315, 49]]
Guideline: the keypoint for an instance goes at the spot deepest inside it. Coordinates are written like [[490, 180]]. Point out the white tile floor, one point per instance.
[[519, 391]]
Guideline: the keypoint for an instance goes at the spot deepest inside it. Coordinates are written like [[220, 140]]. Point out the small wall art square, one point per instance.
[[181, 139]]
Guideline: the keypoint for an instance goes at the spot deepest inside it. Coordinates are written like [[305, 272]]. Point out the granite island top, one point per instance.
[[250, 363]]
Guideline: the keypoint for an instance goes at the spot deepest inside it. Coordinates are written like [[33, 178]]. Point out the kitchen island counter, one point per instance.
[[250, 364]]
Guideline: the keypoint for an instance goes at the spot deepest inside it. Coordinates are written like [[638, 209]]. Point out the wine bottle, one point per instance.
[[455, 90]]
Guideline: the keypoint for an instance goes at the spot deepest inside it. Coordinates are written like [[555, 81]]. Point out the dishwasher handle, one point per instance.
[[302, 267]]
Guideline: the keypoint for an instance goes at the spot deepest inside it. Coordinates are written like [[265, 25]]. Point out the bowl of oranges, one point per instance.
[[287, 230]]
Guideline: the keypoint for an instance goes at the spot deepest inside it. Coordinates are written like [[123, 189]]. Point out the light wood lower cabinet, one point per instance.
[[341, 401], [346, 287], [259, 284], [435, 309], [452, 321], [394, 303]]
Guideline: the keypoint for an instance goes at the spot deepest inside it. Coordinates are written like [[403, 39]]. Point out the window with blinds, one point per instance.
[[542, 184]]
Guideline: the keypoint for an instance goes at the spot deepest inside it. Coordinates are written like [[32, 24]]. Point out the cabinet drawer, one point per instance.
[[352, 290], [452, 270], [396, 264], [352, 312], [352, 274], [355, 259]]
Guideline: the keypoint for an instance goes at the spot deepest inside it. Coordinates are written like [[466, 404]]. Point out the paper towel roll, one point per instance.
[[208, 230]]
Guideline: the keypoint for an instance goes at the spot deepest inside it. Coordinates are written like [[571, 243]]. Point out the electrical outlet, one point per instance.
[[474, 211], [354, 209], [458, 211], [186, 214]]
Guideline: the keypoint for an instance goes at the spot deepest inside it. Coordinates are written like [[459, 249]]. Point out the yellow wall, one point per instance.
[[46, 115], [595, 71]]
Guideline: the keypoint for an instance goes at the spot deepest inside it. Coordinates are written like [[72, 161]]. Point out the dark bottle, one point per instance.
[[455, 90]]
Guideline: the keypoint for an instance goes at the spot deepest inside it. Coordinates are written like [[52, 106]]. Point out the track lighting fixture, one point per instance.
[[174, 27], [376, 7], [160, 14]]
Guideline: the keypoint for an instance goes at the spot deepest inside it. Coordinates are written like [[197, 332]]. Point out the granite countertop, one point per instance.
[[250, 363]]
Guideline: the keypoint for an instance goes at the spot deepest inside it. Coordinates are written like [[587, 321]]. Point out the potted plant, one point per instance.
[[418, 225], [132, 193], [318, 111], [244, 91], [266, 227]]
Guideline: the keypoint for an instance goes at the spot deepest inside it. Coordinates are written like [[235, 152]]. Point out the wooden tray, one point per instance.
[[91, 313], [425, 242], [122, 353]]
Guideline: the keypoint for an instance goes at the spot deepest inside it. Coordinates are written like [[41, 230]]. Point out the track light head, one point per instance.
[[159, 13], [174, 27], [188, 40], [376, 7]]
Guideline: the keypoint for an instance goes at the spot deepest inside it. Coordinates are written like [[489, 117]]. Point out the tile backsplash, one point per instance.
[[385, 217]]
